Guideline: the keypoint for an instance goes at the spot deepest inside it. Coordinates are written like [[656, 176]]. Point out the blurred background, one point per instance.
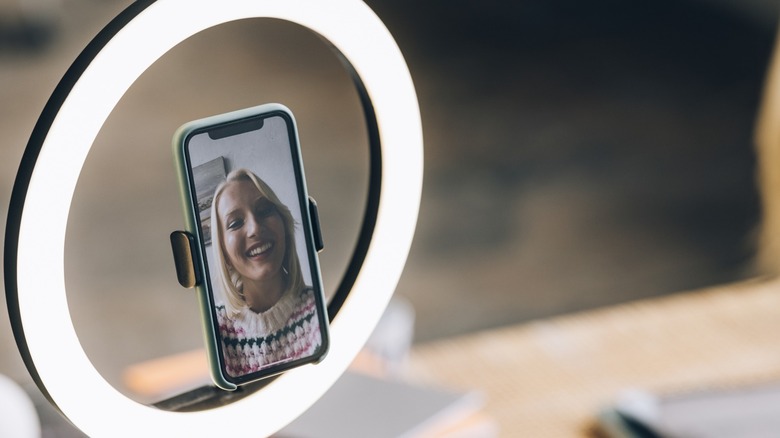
[[577, 155]]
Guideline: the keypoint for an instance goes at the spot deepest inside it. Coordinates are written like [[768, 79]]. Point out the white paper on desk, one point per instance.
[[360, 406]]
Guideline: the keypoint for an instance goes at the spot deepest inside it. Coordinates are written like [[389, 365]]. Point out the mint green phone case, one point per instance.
[[205, 295]]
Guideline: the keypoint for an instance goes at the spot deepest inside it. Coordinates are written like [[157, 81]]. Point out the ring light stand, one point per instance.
[[56, 152]]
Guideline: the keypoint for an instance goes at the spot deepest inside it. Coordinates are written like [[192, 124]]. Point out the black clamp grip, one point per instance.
[[183, 245], [315, 225], [184, 255]]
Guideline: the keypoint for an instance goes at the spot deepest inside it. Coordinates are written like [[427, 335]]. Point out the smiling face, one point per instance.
[[253, 234]]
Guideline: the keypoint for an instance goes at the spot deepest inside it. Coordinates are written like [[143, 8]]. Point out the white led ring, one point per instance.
[[56, 153]]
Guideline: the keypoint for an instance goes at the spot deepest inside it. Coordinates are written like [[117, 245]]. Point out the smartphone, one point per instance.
[[254, 236]]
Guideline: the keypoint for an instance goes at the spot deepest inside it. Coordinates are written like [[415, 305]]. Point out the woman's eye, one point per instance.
[[265, 211], [234, 224]]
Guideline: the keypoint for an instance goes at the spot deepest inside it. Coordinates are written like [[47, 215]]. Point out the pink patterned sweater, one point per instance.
[[287, 331]]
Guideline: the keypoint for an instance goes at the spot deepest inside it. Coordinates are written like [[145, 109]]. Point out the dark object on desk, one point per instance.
[[746, 412]]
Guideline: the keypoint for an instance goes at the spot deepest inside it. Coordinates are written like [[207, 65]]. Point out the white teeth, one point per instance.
[[260, 249]]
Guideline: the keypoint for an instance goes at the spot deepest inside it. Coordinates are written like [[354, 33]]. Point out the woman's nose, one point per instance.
[[254, 225]]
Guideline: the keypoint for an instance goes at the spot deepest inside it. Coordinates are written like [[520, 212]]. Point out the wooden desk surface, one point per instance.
[[550, 377]]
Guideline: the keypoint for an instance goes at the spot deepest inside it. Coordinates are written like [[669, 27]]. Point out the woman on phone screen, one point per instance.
[[269, 315]]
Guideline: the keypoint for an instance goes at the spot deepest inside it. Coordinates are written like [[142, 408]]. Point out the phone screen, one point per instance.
[[262, 272]]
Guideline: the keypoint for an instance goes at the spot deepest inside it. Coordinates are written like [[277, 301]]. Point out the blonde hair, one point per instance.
[[226, 276]]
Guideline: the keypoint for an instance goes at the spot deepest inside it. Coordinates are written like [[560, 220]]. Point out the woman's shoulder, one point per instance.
[[306, 296], [306, 301]]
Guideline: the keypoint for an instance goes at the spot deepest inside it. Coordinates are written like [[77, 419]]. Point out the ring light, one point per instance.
[[35, 235]]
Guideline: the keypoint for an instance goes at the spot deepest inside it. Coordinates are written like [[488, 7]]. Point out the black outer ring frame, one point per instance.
[[205, 397]]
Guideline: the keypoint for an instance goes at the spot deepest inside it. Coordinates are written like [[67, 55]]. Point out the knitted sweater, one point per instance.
[[287, 331]]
